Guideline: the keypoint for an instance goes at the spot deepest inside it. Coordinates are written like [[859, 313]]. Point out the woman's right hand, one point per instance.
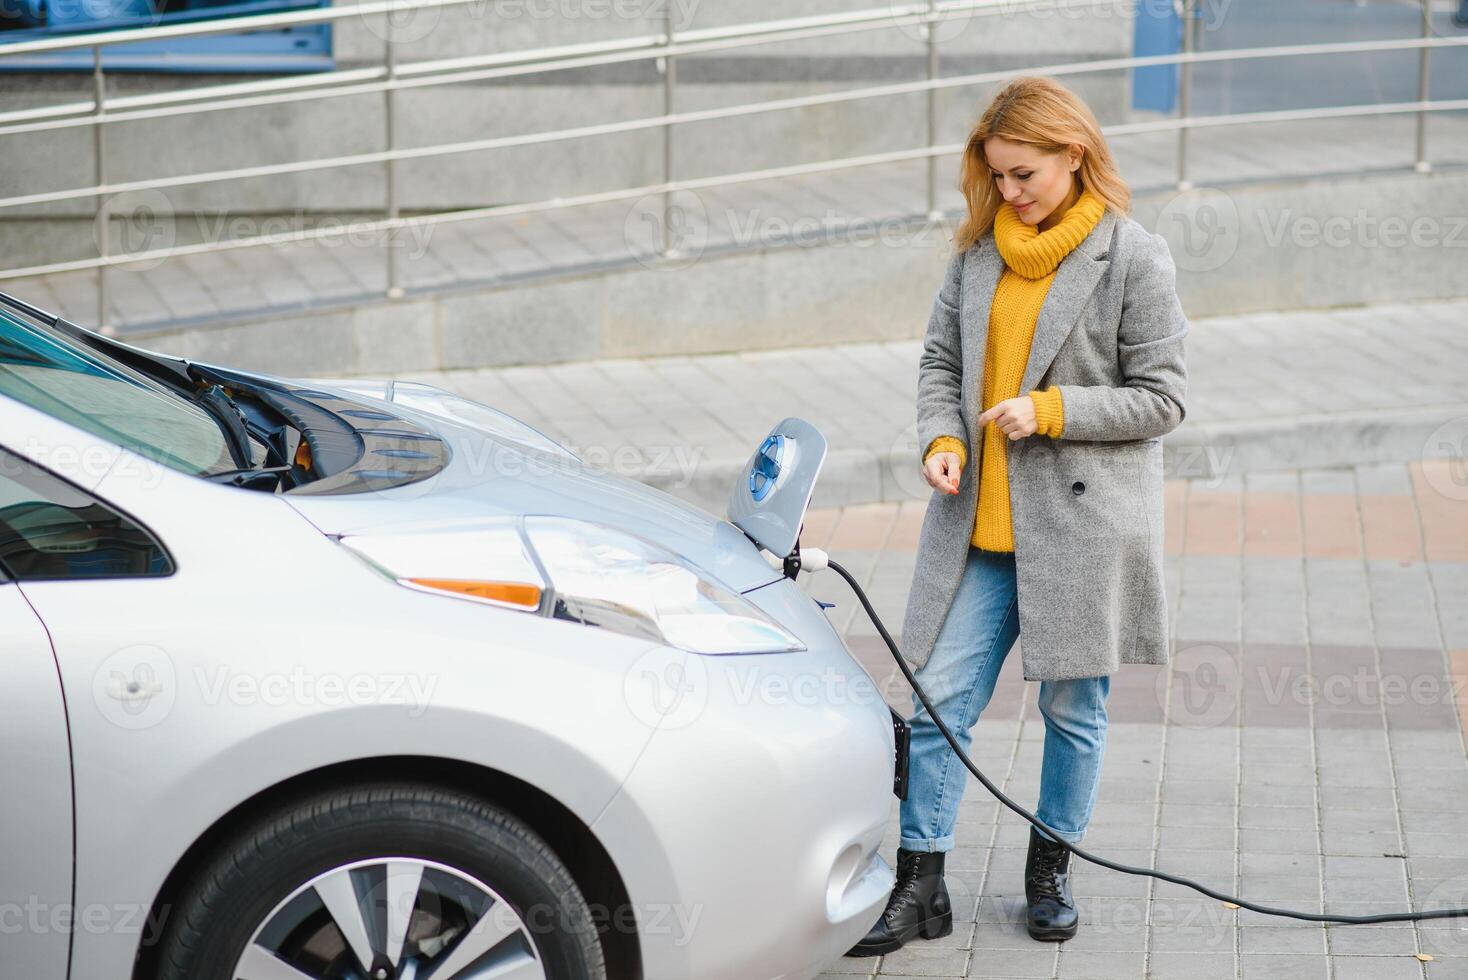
[[942, 471]]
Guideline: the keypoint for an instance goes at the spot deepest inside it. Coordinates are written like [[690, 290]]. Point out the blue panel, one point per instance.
[[87, 13], [293, 49], [1159, 30], [32, 13]]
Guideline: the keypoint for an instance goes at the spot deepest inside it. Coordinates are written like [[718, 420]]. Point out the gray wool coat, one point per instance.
[[1086, 507]]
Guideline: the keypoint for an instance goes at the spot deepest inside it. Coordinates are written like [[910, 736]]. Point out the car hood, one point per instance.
[[490, 474]]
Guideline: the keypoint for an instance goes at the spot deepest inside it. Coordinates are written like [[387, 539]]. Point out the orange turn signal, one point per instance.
[[515, 593]]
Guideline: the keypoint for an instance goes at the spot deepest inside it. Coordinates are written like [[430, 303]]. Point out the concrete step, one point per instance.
[[835, 258]]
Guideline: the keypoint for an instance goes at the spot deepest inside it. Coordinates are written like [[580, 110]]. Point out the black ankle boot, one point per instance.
[[919, 905], [1052, 911]]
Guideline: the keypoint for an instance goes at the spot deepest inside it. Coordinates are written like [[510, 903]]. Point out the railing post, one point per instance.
[[100, 222], [390, 60], [932, 38], [1185, 95], [1424, 63], [670, 83]]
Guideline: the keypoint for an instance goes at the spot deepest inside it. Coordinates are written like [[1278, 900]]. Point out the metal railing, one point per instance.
[[394, 75]]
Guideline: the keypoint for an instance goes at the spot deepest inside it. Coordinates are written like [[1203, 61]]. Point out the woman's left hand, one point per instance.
[[1014, 416]]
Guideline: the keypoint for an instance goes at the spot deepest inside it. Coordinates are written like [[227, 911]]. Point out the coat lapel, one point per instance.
[[1075, 280], [979, 289]]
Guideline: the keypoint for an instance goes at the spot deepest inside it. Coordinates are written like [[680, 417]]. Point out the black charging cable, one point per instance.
[[811, 559]]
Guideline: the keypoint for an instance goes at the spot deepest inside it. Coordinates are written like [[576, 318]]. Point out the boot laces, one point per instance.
[[906, 886], [1046, 878]]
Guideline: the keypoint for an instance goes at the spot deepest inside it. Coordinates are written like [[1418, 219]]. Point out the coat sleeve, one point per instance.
[[1149, 350], [940, 366]]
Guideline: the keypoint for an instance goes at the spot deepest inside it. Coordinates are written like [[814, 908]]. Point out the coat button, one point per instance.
[[1078, 487]]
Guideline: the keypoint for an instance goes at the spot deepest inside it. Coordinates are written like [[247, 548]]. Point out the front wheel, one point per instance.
[[395, 881]]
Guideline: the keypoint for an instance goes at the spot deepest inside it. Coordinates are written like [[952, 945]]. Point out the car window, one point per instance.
[[70, 384], [50, 529]]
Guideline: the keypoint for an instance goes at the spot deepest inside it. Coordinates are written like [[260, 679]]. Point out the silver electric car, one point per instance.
[[365, 680]]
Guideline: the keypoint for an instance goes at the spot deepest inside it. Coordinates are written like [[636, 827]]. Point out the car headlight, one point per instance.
[[581, 572]]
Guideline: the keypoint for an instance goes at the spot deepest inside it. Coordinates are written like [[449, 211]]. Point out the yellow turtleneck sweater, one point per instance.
[[1030, 259]]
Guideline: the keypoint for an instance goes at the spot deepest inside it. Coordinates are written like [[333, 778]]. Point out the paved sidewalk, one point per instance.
[[1266, 391], [1307, 751]]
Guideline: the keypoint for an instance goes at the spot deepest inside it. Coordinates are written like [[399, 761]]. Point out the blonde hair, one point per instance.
[[1040, 111]]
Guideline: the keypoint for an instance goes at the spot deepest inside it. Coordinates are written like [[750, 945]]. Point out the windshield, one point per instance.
[[106, 399]]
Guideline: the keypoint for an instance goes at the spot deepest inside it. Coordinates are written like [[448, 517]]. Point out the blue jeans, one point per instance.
[[981, 627]]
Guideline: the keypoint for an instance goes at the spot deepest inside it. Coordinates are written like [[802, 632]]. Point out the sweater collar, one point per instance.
[[1035, 254]]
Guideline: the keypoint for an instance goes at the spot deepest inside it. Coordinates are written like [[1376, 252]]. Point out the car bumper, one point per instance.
[[748, 832]]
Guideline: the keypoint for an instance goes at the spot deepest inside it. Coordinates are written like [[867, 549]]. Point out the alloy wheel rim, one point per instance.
[[391, 918]]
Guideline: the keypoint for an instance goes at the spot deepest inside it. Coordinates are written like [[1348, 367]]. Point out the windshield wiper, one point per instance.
[[177, 374], [232, 422], [264, 478]]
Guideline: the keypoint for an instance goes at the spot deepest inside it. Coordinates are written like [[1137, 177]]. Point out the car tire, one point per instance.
[[429, 874]]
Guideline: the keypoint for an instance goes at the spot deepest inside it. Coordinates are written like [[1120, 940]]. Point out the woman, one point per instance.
[[1055, 351]]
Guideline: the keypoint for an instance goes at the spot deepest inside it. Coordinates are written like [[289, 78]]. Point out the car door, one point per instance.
[[36, 847]]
